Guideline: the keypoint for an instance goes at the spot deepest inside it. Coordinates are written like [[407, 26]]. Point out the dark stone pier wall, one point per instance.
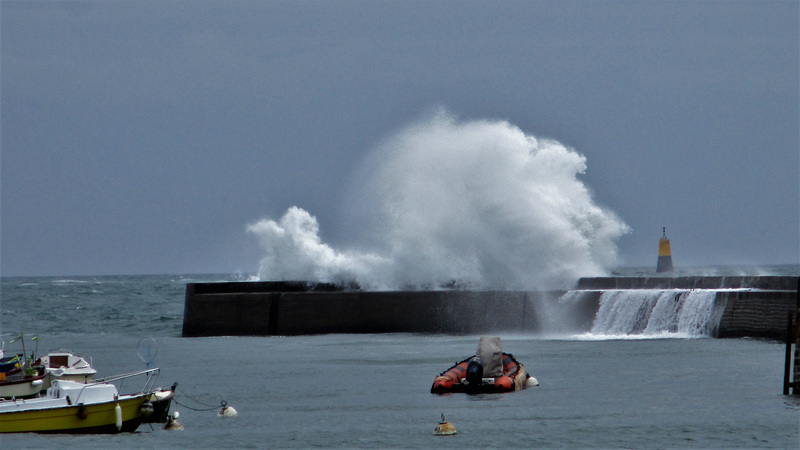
[[756, 313], [297, 308], [288, 309]]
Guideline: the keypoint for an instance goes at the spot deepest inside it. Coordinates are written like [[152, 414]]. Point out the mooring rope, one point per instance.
[[195, 409], [208, 407]]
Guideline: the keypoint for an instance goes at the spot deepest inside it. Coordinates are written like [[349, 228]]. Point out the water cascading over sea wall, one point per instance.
[[724, 307], [705, 306]]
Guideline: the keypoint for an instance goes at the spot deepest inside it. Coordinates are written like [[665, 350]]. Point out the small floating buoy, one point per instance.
[[227, 411], [444, 428], [118, 416], [172, 422], [531, 381]]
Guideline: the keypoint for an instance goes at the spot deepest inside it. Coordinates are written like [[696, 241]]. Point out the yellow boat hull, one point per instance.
[[93, 418]]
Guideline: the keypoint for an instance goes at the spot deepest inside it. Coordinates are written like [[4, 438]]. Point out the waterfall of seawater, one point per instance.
[[657, 312]]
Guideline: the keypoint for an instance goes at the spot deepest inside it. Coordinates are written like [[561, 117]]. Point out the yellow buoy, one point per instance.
[[444, 428], [664, 254]]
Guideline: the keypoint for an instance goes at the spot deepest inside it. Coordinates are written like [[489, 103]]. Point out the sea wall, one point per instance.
[[766, 283], [318, 311], [756, 313], [753, 306]]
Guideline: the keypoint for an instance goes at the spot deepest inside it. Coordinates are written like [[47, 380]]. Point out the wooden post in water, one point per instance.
[[791, 368], [796, 376], [787, 366]]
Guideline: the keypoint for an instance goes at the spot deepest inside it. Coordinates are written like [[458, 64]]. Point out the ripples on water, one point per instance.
[[141, 304], [373, 390]]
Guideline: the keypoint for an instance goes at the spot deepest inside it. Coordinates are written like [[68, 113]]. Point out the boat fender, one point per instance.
[[475, 371], [226, 411], [118, 416], [531, 381], [69, 402], [147, 409], [83, 413]]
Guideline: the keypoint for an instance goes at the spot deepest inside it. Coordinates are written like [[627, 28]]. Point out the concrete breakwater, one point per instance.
[[746, 306]]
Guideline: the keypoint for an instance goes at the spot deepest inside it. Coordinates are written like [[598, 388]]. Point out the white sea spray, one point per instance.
[[444, 201]]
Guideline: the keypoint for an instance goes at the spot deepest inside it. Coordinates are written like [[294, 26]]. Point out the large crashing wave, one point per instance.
[[294, 251], [443, 202]]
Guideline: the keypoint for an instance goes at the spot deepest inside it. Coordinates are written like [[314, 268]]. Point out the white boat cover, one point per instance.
[[490, 351]]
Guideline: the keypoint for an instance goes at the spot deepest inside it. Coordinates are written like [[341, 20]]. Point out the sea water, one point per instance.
[[596, 390]]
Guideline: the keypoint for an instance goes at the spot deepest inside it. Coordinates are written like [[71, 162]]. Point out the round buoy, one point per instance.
[[172, 422], [444, 428], [227, 411], [531, 381]]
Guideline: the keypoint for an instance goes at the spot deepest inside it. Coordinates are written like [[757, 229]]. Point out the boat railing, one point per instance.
[[151, 375]]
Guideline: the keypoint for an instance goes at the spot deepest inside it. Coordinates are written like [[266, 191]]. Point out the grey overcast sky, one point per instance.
[[143, 137]]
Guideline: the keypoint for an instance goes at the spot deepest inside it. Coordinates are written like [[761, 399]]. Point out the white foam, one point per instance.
[[656, 313], [475, 202]]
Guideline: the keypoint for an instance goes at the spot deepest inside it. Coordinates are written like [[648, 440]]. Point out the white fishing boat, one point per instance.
[[23, 382], [64, 365], [28, 379], [21, 374], [19, 378], [73, 407]]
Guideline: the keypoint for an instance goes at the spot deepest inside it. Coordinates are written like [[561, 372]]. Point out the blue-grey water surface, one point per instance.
[[373, 390]]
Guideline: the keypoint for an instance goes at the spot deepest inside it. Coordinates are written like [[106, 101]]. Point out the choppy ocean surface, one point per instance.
[[649, 391]]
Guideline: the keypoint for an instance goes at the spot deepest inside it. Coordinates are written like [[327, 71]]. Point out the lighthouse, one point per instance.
[[664, 254]]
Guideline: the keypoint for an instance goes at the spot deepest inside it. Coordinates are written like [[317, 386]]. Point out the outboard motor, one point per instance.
[[474, 372]]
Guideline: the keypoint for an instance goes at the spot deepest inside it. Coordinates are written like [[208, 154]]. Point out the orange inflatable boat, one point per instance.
[[467, 376]]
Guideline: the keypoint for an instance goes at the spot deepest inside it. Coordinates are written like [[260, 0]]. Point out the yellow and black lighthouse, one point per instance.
[[664, 254]]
